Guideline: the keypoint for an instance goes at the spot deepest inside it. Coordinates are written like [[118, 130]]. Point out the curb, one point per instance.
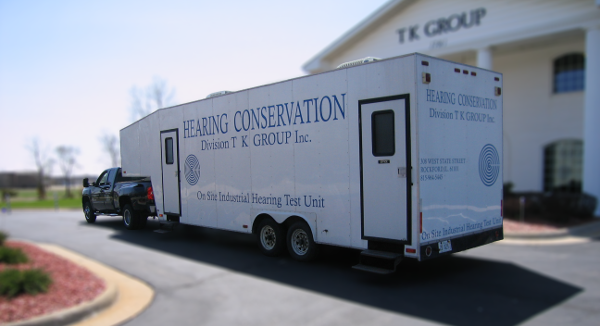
[[585, 230], [124, 298], [76, 313]]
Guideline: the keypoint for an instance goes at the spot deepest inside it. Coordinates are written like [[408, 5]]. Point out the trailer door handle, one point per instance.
[[401, 172]]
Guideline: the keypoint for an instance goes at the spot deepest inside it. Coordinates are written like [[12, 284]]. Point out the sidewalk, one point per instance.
[[538, 229]]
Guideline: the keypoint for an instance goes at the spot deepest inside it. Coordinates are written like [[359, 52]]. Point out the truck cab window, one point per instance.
[[119, 176], [383, 134], [102, 179], [169, 150]]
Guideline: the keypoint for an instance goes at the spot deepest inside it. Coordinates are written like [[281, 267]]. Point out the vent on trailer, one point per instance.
[[357, 62], [215, 94]]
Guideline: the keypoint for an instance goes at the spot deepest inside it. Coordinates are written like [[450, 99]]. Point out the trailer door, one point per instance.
[[170, 172], [385, 168]]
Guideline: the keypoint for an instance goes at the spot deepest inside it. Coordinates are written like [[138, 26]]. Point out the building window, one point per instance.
[[569, 73], [563, 166]]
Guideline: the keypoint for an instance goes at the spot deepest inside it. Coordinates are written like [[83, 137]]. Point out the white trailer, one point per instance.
[[398, 157]]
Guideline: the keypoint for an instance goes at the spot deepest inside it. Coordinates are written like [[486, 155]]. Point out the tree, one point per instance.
[[110, 143], [155, 96], [66, 161], [43, 163]]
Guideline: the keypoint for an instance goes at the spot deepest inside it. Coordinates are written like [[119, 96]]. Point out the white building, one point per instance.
[[549, 54]]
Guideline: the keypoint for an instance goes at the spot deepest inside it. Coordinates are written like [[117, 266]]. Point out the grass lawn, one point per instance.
[[27, 198]]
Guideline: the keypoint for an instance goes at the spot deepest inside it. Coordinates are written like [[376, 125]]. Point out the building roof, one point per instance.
[[357, 32], [503, 25]]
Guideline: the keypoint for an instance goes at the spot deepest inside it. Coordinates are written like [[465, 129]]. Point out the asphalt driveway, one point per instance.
[[210, 277]]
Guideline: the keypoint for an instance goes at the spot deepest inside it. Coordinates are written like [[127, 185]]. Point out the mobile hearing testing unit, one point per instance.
[[398, 157]]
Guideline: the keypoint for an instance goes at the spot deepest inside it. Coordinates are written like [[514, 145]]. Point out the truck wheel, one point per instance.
[[130, 217], [271, 237], [88, 212], [301, 245]]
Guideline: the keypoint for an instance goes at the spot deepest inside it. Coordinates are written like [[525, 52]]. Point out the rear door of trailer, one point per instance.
[[460, 156]]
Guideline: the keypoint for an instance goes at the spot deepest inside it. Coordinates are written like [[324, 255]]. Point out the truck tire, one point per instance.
[[88, 212], [130, 218], [271, 237], [300, 242]]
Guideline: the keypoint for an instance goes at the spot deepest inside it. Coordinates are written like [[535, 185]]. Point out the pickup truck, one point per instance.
[[113, 194]]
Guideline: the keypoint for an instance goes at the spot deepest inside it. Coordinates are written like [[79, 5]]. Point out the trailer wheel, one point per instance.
[[88, 212], [271, 237], [130, 217], [300, 241]]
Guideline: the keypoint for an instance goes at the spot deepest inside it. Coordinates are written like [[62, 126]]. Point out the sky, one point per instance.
[[67, 67]]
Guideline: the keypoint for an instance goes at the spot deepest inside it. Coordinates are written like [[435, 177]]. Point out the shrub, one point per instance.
[[3, 237], [10, 255], [10, 282], [4, 192], [35, 281], [32, 281]]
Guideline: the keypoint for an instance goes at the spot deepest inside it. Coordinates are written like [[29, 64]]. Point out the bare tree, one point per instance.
[[43, 164], [110, 143], [66, 161], [155, 96]]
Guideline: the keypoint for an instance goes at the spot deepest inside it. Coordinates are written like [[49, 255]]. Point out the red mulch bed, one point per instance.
[[71, 285], [513, 226], [539, 224]]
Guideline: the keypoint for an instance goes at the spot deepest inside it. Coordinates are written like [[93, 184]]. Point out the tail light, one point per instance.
[[150, 193]]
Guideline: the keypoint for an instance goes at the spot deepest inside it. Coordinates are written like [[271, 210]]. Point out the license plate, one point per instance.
[[445, 246]]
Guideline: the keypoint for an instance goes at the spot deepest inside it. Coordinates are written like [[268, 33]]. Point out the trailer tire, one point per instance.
[[271, 237], [300, 242], [130, 218], [88, 212]]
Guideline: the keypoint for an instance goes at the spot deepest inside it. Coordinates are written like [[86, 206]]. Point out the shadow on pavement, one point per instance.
[[453, 290]]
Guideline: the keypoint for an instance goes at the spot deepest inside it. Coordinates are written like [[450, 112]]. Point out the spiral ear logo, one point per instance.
[[489, 165], [192, 169]]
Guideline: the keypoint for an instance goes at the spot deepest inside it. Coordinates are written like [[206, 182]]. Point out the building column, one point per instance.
[[484, 58], [591, 116]]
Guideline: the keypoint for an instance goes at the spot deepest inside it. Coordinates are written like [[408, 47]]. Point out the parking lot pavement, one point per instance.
[[210, 277]]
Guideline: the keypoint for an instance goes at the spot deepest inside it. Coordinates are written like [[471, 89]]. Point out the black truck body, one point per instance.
[[113, 194]]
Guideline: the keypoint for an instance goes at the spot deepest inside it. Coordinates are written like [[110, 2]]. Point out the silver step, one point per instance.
[[373, 269], [379, 262], [381, 254]]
